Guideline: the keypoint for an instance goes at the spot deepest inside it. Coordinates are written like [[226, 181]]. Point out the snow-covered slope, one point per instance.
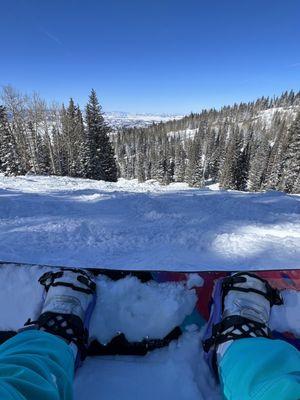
[[120, 119], [55, 220], [76, 222], [266, 116]]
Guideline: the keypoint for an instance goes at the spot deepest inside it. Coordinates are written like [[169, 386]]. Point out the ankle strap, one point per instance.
[[271, 294], [235, 327]]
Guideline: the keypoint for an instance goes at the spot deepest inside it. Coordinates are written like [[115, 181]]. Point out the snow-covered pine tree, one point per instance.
[[140, 163], [296, 187], [73, 137], [180, 162], [162, 165], [194, 169], [9, 157], [291, 170], [16, 106], [274, 166], [40, 154], [80, 138], [230, 173], [258, 167], [274, 174], [158, 167], [43, 155], [59, 152], [99, 161], [168, 167], [242, 170], [215, 159], [32, 139]]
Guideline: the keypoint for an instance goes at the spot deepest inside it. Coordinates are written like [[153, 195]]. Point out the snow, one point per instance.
[[177, 372], [267, 116], [184, 134], [76, 222], [139, 309], [287, 318], [121, 119]]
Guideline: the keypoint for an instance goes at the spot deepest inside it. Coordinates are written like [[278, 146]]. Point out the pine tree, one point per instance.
[[180, 163], [140, 164], [259, 165], [216, 158], [231, 174], [9, 157], [274, 174], [296, 187], [99, 160], [158, 167], [73, 137], [194, 170], [43, 156], [32, 147], [242, 170], [59, 152], [292, 158]]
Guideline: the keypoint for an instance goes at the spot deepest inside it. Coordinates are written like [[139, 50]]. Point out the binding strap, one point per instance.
[[67, 326], [271, 294], [119, 345], [235, 327], [50, 278]]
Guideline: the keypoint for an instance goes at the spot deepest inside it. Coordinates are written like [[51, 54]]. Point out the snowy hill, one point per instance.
[[76, 222], [120, 119], [60, 220]]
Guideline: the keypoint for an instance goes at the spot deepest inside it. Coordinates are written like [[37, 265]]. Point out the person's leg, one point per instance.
[[238, 344], [36, 365], [260, 369]]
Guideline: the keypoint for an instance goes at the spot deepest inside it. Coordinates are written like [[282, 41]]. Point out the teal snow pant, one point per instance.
[[36, 365], [260, 369]]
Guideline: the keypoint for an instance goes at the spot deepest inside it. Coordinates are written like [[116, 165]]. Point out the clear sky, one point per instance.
[[151, 55]]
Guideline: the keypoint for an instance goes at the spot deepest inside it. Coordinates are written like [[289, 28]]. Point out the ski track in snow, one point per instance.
[[75, 222]]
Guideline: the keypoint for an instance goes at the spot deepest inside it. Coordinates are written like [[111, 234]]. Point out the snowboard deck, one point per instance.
[[204, 283]]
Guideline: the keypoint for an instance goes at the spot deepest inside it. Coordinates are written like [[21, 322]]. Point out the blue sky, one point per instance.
[[151, 55]]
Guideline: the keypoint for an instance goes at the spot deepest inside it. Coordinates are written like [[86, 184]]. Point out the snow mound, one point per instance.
[[287, 318], [139, 309]]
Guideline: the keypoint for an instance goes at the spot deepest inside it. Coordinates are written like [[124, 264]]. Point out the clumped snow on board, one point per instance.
[[138, 309], [75, 222]]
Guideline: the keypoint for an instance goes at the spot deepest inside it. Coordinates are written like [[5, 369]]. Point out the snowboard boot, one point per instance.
[[241, 306], [70, 297]]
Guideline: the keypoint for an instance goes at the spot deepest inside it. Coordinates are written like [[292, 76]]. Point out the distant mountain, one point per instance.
[[121, 119]]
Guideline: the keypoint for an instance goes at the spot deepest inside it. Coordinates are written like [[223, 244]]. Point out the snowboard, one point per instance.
[[201, 282]]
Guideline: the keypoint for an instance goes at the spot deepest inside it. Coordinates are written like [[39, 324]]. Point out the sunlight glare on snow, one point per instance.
[[250, 240]]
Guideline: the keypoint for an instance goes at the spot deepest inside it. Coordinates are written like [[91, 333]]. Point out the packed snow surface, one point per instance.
[[77, 222]]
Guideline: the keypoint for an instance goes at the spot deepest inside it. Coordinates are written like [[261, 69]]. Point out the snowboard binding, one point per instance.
[[70, 297], [241, 306]]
